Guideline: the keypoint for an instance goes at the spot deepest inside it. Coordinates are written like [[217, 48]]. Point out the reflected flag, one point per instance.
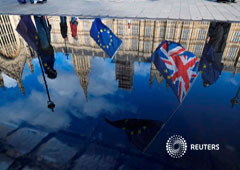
[[140, 132], [28, 31], [104, 37], [210, 67], [178, 66]]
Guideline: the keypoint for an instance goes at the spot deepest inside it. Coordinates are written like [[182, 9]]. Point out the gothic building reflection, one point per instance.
[[82, 67], [14, 52], [124, 69], [140, 39], [9, 40], [155, 74]]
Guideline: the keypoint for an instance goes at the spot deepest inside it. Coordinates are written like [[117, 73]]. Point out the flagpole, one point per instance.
[[169, 118], [46, 86], [66, 50]]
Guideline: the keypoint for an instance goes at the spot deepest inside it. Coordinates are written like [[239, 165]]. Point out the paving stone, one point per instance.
[[28, 168], [5, 162], [57, 152], [132, 162], [171, 9], [124, 167], [25, 139], [97, 157], [5, 129]]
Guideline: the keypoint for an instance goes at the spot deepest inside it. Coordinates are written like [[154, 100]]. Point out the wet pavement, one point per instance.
[[142, 9], [92, 89]]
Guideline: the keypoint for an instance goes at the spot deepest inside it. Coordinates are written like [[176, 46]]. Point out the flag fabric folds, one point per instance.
[[210, 66], [178, 66], [104, 37], [28, 31], [139, 131]]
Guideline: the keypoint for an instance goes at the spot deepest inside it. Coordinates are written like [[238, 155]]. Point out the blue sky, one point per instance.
[[209, 105]]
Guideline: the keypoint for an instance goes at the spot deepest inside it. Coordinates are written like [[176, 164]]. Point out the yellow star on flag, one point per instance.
[[139, 131]]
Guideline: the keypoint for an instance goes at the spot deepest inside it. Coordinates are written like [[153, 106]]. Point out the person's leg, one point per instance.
[[36, 1], [47, 28], [63, 19], [42, 34], [63, 27]]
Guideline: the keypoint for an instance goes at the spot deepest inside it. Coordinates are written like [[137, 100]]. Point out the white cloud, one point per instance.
[[231, 80], [103, 78], [142, 69], [8, 81], [33, 110], [68, 95]]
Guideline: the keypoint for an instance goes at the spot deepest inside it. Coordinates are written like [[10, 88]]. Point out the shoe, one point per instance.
[[36, 1], [22, 1]]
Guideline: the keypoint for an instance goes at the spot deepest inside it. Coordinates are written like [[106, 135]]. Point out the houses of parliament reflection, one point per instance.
[[140, 39], [14, 52]]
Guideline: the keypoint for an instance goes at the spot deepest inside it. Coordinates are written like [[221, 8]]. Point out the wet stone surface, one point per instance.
[[73, 106]]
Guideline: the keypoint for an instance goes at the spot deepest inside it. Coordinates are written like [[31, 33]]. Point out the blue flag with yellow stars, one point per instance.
[[140, 132], [28, 31], [210, 66], [104, 37]]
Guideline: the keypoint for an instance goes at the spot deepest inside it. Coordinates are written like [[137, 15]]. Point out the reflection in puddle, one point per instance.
[[87, 85]]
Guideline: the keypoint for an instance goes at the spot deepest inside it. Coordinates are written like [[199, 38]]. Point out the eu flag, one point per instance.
[[28, 31], [140, 132], [104, 37], [210, 66]]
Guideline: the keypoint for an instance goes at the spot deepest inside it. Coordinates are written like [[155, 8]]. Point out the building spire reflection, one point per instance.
[[82, 67], [14, 53], [21, 87], [154, 73], [1, 81], [30, 64]]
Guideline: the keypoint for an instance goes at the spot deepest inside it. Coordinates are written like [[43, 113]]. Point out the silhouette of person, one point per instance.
[[226, 1], [210, 65], [45, 50], [63, 27], [39, 40], [32, 1], [73, 25]]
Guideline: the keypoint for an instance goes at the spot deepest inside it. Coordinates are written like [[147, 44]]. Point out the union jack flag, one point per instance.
[[178, 66]]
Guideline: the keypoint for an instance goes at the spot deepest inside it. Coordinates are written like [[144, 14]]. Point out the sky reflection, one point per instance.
[[90, 87]]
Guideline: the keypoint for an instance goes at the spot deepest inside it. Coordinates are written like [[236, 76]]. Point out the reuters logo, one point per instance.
[[176, 146]]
